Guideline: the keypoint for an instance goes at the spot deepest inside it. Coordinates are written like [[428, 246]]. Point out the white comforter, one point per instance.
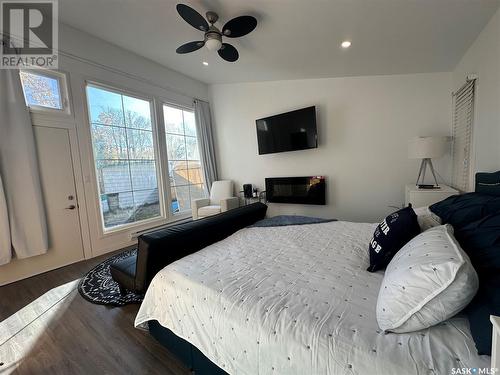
[[296, 300]]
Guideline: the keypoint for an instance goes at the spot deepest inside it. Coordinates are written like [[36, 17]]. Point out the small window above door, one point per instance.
[[45, 91]]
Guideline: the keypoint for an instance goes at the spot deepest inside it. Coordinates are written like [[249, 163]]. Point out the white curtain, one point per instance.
[[206, 143], [5, 243], [19, 172]]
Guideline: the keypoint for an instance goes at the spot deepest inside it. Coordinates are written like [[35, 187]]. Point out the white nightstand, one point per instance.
[[425, 197]]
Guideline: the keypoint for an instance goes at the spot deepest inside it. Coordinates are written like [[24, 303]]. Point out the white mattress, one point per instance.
[[296, 300]]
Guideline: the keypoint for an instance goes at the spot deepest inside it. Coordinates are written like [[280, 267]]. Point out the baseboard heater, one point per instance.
[[299, 190]]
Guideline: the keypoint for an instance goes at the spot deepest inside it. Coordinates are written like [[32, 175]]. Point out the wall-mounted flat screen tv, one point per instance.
[[289, 131]]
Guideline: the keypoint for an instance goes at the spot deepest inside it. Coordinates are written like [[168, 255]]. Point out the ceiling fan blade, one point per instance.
[[228, 52], [239, 26], [190, 47], [192, 17]]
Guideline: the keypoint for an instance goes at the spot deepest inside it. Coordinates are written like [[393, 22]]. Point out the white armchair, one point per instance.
[[221, 200]]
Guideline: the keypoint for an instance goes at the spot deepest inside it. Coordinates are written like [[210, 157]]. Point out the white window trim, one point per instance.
[[161, 152], [164, 213], [64, 91]]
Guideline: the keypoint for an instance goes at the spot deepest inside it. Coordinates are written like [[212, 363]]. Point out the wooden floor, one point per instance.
[[46, 327]]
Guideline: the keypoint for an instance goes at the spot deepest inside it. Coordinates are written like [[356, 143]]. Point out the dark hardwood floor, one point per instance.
[[46, 327]]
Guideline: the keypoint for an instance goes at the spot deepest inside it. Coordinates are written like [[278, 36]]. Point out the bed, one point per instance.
[[296, 300]]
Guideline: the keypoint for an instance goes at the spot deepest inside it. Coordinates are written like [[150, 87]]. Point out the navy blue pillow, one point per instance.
[[460, 210], [485, 303], [481, 241], [391, 235], [488, 183]]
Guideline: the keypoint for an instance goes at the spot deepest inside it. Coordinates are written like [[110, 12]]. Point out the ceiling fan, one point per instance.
[[234, 28]]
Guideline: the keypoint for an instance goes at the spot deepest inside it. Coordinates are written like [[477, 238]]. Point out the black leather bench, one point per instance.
[[159, 248], [123, 272]]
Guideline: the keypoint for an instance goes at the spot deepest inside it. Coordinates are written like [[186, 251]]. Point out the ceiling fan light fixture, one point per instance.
[[213, 44], [234, 28]]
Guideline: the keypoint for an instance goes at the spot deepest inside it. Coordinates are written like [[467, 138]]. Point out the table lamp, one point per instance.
[[427, 148]]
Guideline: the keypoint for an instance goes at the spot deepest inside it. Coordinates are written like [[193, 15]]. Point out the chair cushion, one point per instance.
[[220, 190], [209, 210], [123, 272]]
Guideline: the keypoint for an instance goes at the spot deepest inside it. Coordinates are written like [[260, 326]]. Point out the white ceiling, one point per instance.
[[294, 39]]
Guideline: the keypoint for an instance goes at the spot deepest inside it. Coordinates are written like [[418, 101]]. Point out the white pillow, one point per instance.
[[426, 218], [428, 281]]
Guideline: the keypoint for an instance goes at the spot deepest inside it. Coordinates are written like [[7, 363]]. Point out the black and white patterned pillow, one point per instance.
[[391, 235]]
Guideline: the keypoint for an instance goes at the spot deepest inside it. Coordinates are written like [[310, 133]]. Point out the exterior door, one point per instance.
[[61, 207]]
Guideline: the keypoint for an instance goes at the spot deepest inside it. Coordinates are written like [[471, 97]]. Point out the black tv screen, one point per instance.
[[289, 131]]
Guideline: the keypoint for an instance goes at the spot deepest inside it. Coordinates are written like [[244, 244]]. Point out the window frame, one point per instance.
[[184, 213], [164, 214], [62, 79]]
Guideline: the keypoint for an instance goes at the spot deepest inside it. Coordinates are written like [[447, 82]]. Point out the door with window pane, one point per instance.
[[184, 165], [124, 154]]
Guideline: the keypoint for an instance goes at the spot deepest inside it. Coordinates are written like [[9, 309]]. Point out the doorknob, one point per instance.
[[71, 207]]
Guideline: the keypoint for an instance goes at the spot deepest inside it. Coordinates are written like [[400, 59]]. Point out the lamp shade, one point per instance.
[[427, 147]]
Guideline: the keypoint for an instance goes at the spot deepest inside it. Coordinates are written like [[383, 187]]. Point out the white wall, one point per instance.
[[364, 124], [483, 59]]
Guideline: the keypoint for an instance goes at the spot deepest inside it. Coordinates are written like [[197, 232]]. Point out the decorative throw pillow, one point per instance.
[[390, 236], [481, 241], [487, 183], [426, 219], [428, 281], [460, 210]]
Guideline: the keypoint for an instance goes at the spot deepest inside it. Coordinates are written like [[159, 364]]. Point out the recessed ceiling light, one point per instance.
[[205, 63], [346, 44]]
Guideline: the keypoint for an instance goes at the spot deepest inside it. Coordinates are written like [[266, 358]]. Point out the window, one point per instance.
[[45, 91], [127, 147], [124, 154], [463, 118], [186, 177]]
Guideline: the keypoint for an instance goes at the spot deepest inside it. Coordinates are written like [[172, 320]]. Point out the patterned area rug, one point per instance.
[[98, 287]]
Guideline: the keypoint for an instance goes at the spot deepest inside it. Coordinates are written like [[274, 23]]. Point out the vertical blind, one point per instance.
[[463, 117]]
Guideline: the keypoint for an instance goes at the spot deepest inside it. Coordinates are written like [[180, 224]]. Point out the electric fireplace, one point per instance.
[[300, 190]]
